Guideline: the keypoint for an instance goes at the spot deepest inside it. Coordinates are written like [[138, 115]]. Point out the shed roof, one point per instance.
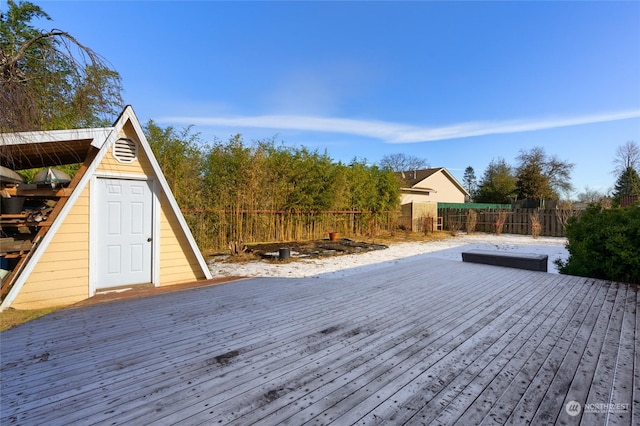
[[28, 150]]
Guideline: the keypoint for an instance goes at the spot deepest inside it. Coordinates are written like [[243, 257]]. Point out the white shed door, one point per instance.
[[124, 231]]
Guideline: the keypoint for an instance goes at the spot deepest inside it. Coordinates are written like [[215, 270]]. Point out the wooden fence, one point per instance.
[[214, 230], [517, 221]]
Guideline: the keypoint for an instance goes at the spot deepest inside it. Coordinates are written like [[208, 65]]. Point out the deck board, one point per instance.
[[506, 386], [447, 368], [544, 363], [417, 341], [454, 401]]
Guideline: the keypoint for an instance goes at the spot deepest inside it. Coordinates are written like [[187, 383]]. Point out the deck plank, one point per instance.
[[415, 341], [507, 385], [450, 403], [621, 388], [284, 358], [544, 364], [635, 379], [597, 340], [445, 369], [359, 384], [385, 338]]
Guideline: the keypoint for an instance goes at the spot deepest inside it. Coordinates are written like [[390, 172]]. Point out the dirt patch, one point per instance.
[[224, 359], [273, 394], [329, 330], [352, 333], [311, 249], [314, 249]]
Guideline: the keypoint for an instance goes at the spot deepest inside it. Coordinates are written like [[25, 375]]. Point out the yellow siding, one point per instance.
[[447, 190], [141, 166], [58, 298], [178, 263], [443, 191], [61, 276]]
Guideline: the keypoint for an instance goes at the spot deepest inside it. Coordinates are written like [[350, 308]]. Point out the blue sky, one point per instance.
[[456, 83]]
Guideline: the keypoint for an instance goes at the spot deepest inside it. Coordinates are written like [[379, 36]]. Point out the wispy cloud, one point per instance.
[[397, 132]]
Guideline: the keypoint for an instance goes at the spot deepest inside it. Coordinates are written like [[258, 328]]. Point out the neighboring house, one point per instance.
[[431, 186], [115, 224]]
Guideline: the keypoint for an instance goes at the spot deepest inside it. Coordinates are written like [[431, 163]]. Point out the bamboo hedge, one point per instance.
[[233, 191], [214, 230]]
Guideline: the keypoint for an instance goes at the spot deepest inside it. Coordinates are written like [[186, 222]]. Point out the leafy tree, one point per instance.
[[403, 163], [48, 79], [627, 155], [278, 165], [541, 177], [341, 187], [498, 184], [628, 183], [469, 180]]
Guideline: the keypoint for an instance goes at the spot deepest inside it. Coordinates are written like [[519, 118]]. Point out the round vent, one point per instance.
[[125, 150]]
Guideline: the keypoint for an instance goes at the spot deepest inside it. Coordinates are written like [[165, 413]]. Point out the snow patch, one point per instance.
[[451, 249]]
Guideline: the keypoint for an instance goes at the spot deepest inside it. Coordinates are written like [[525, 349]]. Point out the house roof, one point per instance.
[[418, 190], [413, 177]]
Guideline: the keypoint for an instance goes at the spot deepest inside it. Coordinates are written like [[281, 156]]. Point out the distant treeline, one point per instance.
[[229, 179]]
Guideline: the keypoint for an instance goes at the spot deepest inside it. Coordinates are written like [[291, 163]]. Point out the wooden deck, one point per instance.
[[422, 341]]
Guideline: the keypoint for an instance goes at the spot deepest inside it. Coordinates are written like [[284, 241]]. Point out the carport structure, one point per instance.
[[417, 341]]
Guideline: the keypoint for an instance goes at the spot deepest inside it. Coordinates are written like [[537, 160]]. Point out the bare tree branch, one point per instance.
[[627, 155]]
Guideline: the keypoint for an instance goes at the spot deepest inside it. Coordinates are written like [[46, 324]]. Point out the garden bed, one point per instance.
[[313, 249]]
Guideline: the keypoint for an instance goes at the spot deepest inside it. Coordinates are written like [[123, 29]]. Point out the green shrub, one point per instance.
[[604, 243]]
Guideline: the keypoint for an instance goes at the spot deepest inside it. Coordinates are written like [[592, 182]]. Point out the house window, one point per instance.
[[125, 150]]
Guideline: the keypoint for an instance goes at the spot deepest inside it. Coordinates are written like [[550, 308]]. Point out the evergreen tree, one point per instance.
[[531, 183], [469, 180], [628, 183], [498, 184]]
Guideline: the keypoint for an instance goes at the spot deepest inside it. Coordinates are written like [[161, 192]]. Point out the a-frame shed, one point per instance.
[[116, 225]]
